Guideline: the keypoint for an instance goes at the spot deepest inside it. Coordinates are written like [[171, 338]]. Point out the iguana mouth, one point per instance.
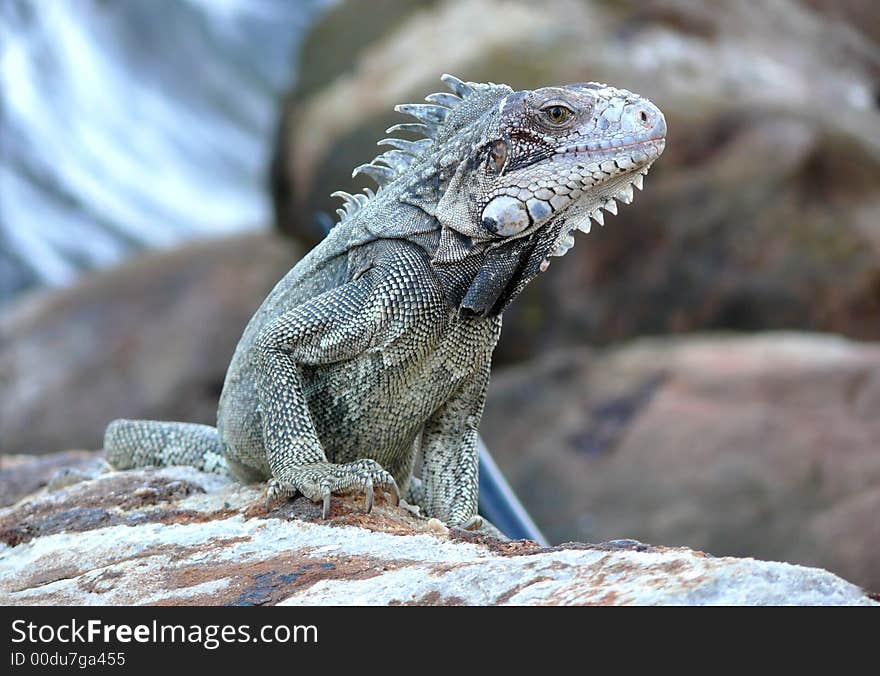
[[592, 150], [611, 171], [604, 147]]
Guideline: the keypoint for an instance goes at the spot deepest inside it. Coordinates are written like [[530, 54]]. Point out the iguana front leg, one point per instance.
[[336, 325], [450, 461]]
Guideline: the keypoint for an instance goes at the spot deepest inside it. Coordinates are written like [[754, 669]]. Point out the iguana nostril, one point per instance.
[[643, 118]]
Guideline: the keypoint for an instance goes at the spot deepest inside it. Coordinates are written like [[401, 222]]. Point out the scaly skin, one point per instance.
[[377, 345]]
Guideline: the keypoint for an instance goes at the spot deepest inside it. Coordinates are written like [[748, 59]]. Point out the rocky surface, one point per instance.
[[762, 213], [21, 475], [177, 536], [763, 446], [150, 339]]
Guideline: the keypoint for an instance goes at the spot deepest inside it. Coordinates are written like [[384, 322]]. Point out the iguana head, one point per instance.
[[509, 176]]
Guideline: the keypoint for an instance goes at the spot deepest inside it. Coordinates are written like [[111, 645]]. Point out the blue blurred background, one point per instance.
[[133, 124]]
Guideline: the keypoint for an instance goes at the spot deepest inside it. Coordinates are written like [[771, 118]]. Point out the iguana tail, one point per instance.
[[148, 443]]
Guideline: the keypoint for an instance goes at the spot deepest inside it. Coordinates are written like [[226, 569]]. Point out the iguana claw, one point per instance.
[[368, 495], [474, 523], [274, 489], [319, 481], [325, 509]]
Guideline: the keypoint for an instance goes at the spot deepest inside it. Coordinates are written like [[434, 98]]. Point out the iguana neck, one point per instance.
[[485, 277]]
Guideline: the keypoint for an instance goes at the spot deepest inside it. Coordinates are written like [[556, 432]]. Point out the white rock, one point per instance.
[[196, 539]]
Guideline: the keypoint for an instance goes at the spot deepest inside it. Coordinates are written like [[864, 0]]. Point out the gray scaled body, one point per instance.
[[376, 346]]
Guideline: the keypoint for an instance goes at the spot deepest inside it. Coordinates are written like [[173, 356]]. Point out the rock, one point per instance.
[[762, 213], [763, 446], [859, 14], [177, 536], [21, 475], [150, 339]]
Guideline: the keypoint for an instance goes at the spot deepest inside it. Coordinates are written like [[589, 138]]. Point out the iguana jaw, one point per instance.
[[525, 172], [603, 196]]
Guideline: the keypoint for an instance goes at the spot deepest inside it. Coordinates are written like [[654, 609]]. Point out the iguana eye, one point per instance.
[[557, 113]]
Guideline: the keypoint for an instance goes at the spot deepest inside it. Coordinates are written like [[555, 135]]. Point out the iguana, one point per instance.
[[375, 348]]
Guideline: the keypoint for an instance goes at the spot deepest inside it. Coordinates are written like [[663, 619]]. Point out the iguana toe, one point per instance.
[[325, 506], [320, 481], [474, 523], [368, 495]]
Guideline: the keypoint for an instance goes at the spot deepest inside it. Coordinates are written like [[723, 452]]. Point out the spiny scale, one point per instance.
[[387, 166], [382, 175], [462, 89], [443, 99], [395, 159], [625, 195], [431, 115], [414, 148], [412, 127]]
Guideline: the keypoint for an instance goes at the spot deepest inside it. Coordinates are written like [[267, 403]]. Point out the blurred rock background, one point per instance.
[[761, 221], [763, 213]]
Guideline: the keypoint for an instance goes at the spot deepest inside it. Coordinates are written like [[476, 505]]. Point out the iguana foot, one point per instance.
[[319, 481]]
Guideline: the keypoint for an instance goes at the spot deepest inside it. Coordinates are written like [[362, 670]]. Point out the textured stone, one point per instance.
[[762, 446], [149, 339], [177, 536], [21, 475]]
